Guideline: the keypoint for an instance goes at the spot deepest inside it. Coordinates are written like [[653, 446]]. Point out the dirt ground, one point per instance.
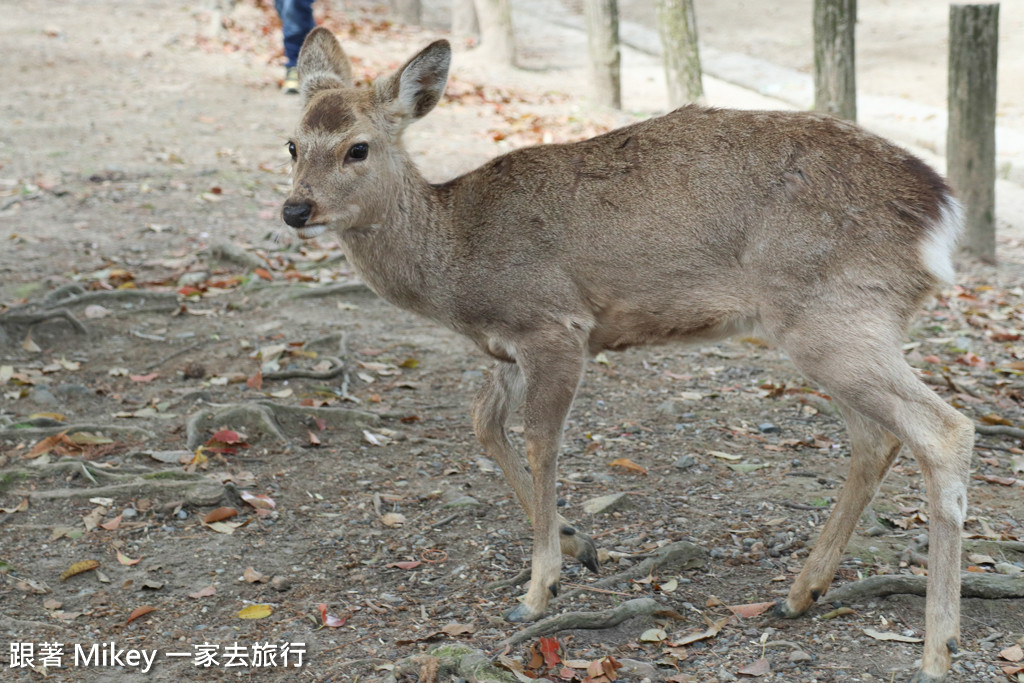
[[150, 298]]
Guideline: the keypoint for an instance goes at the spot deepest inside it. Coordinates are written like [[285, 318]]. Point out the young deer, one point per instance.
[[703, 223]]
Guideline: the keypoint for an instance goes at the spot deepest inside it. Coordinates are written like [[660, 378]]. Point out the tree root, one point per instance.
[[30, 433], [337, 368], [517, 580], [225, 251], [79, 296], [988, 586], [270, 420], [32, 319], [1000, 430], [678, 556], [638, 607], [332, 290], [198, 490], [21, 627]]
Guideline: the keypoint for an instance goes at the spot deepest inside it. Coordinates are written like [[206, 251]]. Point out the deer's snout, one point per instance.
[[296, 213]]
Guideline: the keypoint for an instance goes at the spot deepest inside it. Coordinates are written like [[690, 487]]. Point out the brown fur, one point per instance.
[[693, 226]]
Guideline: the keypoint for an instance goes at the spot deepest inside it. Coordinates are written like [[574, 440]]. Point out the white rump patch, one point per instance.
[[937, 247]]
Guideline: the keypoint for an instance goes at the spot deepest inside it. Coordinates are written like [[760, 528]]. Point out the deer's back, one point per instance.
[[703, 216]]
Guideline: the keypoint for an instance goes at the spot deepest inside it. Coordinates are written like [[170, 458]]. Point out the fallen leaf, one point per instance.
[[756, 668], [329, 620], [260, 501], [144, 378], [79, 568], [978, 558], [669, 586], [219, 515], [138, 612], [751, 610], [886, 635], [627, 464], [30, 345], [710, 632], [404, 565], [263, 273], [255, 612], [653, 635], [20, 507], [455, 629], [252, 576], [1014, 653], [841, 611], [224, 527], [392, 518], [992, 479], [203, 592], [725, 456]]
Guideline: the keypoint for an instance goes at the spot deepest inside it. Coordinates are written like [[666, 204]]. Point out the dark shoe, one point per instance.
[[291, 81]]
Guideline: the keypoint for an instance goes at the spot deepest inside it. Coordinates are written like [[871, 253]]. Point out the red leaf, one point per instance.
[[549, 648], [330, 620], [144, 378], [256, 381], [263, 273], [404, 565], [138, 612], [227, 436]]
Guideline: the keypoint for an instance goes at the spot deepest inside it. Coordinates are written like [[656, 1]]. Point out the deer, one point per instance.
[[797, 227]]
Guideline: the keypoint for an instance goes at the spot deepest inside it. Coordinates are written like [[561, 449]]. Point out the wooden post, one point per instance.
[[497, 39], [603, 42], [971, 136], [677, 24], [407, 11], [464, 24], [835, 80]]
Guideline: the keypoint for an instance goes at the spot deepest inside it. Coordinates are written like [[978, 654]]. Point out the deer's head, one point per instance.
[[349, 162]]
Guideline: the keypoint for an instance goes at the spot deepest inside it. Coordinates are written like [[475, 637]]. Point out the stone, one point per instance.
[[636, 668], [1008, 568], [609, 503], [462, 502], [768, 428], [684, 462]]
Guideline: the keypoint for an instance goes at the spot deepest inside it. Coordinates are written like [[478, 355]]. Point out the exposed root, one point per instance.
[[197, 490], [23, 626], [32, 433], [1000, 430], [332, 290], [78, 296], [225, 251], [31, 319], [638, 607], [973, 585], [270, 420], [337, 368], [678, 556], [517, 580]]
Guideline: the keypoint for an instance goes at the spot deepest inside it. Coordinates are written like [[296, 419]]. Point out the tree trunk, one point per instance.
[[464, 24], [497, 41], [603, 42], [971, 136], [677, 25], [835, 80], [407, 11]]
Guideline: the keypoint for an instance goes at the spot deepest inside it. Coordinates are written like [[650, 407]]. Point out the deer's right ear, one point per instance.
[[322, 64], [414, 89]]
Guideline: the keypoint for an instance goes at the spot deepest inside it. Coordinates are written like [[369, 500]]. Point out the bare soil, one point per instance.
[[142, 166]]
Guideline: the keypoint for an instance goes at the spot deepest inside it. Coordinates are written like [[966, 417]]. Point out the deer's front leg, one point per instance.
[[552, 367]]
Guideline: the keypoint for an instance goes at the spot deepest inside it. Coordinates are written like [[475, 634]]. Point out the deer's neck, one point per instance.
[[402, 253]]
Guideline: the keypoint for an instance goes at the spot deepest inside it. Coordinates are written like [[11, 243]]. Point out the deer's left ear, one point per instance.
[[322, 64], [412, 91]]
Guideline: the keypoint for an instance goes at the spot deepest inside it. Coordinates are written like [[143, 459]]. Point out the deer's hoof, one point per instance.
[[785, 610], [588, 554], [922, 677], [521, 614]]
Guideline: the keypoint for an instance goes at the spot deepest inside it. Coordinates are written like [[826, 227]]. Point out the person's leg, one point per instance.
[[296, 21]]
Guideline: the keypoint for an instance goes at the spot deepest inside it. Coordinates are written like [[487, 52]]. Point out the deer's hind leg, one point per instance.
[[503, 392], [873, 451], [860, 364]]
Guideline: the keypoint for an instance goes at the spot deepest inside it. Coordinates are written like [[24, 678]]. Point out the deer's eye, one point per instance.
[[357, 152], [293, 150]]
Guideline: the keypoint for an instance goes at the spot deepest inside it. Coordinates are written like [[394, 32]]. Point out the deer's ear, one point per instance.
[[322, 64], [413, 90]]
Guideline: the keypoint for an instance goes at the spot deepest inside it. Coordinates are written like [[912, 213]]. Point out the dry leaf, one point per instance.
[[392, 518], [978, 558], [454, 629], [886, 635], [252, 576], [219, 515], [627, 464], [255, 612], [710, 632], [203, 592], [329, 620], [260, 501], [653, 635], [78, 568], [125, 560], [1014, 653], [138, 612], [20, 507], [404, 565], [756, 668], [752, 610], [112, 524], [725, 456]]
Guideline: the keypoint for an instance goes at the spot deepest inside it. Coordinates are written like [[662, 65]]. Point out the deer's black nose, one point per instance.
[[296, 214]]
